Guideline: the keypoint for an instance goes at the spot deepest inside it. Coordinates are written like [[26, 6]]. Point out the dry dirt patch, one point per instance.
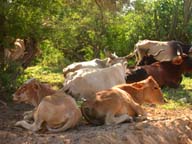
[[163, 127]]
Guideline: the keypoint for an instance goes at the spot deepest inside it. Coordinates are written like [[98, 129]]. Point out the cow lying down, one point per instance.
[[122, 102], [95, 63], [165, 73], [58, 110], [84, 83]]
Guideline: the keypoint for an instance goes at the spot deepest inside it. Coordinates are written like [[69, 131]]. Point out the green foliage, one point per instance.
[[51, 75], [180, 97], [50, 56], [8, 80]]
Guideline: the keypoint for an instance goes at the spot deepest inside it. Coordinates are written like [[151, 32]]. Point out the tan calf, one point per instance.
[[115, 105], [59, 111], [145, 91]]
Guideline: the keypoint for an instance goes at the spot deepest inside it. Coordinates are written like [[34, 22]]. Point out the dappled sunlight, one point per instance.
[[49, 75]]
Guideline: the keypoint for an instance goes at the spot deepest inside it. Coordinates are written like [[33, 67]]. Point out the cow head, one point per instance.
[[177, 60], [151, 91], [186, 66], [114, 59], [28, 92]]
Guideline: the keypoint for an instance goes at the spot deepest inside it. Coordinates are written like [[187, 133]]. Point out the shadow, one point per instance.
[[181, 94]]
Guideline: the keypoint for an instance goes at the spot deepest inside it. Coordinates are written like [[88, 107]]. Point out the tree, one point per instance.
[[28, 20]]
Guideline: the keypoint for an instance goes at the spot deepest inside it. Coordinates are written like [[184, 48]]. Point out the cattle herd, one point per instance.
[[109, 91]]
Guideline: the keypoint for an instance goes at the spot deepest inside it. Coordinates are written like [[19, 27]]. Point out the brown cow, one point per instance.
[[165, 73], [57, 109], [122, 102]]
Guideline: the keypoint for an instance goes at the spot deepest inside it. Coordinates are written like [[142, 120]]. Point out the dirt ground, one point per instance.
[[162, 127]]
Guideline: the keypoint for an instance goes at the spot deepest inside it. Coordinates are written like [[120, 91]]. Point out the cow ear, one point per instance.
[[138, 86], [112, 56], [36, 86], [149, 78]]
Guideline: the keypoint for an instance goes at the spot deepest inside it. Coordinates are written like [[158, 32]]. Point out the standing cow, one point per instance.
[[149, 51], [165, 73]]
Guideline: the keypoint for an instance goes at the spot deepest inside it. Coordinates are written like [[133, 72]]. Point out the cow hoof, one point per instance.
[[130, 119]]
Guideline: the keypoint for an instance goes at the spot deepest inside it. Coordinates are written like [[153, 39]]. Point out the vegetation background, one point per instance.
[[60, 32]]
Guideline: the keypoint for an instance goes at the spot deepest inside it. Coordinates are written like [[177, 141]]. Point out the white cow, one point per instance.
[[95, 63], [84, 83]]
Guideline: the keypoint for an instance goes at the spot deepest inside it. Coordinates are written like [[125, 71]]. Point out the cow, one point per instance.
[[17, 52], [85, 82], [149, 51], [122, 102], [135, 74], [95, 63], [165, 73], [57, 109]]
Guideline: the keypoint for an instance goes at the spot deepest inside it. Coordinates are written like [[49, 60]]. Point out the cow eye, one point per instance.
[[156, 88]]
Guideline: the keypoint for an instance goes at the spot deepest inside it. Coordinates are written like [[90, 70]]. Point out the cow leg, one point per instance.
[[139, 57], [122, 118], [28, 115], [142, 115], [111, 119], [33, 127]]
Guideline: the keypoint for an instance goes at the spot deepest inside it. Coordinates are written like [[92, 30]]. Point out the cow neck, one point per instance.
[[138, 96], [44, 91], [135, 93]]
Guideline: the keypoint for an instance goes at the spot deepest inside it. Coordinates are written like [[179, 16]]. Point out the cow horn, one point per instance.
[[113, 56], [129, 56], [178, 53], [107, 53]]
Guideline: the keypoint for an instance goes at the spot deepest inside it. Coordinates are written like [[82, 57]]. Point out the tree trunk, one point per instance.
[[2, 37], [187, 9], [172, 34], [156, 25], [31, 51]]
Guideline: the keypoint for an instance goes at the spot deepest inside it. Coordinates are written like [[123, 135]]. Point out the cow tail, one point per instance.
[[85, 110]]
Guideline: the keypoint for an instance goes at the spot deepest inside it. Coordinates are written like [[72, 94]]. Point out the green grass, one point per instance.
[[177, 98], [45, 74], [180, 97]]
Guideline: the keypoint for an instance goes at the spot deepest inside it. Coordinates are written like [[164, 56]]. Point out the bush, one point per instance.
[[50, 56]]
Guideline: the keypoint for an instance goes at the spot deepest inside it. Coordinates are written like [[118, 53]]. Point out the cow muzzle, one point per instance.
[[177, 60]]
